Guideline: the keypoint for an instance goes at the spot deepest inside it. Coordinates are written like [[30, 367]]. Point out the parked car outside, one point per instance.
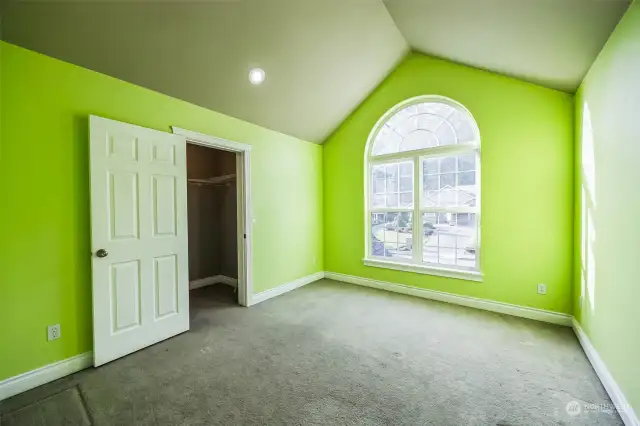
[[378, 248], [429, 228]]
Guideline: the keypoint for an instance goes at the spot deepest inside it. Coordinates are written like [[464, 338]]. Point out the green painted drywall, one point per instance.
[[0, 94], [45, 254], [527, 183], [607, 205]]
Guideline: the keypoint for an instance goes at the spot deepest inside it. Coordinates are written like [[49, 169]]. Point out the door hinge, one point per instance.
[[245, 236]]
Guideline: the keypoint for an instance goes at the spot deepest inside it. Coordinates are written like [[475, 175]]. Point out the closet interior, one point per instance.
[[212, 219]]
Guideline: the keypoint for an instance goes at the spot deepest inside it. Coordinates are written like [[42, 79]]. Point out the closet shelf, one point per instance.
[[217, 180]]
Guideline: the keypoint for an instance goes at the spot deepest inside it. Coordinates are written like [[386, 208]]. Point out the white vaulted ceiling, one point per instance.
[[549, 42], [321, 57]]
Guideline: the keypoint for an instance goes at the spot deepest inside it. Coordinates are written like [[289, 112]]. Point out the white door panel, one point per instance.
[[139, 217]]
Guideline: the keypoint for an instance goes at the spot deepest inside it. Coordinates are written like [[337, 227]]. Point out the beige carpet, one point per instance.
[[332, 354]]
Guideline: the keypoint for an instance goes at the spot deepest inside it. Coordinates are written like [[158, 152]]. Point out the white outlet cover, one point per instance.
[[542, 289], [53, 332]]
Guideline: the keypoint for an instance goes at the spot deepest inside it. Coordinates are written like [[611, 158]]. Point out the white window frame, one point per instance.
[[416, 264]]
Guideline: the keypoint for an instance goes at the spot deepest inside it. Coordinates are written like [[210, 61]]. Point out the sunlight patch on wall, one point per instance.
[[588, 156], [588, 206]]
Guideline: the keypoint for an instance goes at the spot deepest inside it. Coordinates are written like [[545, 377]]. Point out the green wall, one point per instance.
[[527, 183], [607, 290], [44, 182]]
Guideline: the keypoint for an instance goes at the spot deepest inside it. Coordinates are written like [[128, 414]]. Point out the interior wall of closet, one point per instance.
[[212, 204]]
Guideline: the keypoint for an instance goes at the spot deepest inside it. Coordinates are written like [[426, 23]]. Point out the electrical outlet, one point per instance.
[[314, 260], [542, 289], [53, 332]]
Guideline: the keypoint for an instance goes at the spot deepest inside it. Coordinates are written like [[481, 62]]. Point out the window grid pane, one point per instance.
[[392, 185], [425, 125], [450, 239], [446, 185], [391, 235]]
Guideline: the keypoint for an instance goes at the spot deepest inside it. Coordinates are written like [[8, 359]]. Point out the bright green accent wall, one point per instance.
[[607, 289], [527, 183], [45, 253]]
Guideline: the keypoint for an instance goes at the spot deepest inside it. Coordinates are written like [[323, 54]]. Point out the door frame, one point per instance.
[[243, 210]]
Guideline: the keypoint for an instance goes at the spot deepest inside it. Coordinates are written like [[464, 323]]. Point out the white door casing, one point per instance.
[[244, 215], [139, 216]]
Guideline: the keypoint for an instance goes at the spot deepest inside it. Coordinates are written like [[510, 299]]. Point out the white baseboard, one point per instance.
[[34, 378], [472, 302], [216, 279], [284, 288], [223, 279], [625, 410]]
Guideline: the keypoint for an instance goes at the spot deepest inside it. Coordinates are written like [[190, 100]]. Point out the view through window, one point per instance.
[[423, 186]]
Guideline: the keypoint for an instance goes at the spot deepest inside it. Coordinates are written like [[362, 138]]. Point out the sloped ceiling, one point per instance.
[[322, 57], [549, 42]]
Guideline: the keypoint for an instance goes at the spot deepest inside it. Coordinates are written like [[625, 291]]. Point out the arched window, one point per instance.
[[422, 166]]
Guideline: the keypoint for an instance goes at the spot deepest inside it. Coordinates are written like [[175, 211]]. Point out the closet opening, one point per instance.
[[212, 210]]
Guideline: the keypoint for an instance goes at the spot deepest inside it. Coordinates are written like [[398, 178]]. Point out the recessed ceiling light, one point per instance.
[[256, 75]]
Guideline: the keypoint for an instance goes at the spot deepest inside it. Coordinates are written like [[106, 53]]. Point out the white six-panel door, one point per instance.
[[138, 237]]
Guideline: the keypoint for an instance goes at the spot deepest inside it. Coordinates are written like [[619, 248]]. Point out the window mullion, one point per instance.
[[451, 209], [417, 219], [390, 209], [438, 151]]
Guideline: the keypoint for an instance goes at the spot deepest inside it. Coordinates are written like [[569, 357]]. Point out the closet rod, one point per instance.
[[217, 180], [208, 183]]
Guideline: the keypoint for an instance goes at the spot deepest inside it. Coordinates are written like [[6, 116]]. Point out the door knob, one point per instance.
[[102, 253]]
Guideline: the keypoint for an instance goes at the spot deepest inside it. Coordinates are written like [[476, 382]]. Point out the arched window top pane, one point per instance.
[[427, 124]]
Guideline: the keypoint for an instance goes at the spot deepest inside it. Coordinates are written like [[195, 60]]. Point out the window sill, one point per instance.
[[427, 270]]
